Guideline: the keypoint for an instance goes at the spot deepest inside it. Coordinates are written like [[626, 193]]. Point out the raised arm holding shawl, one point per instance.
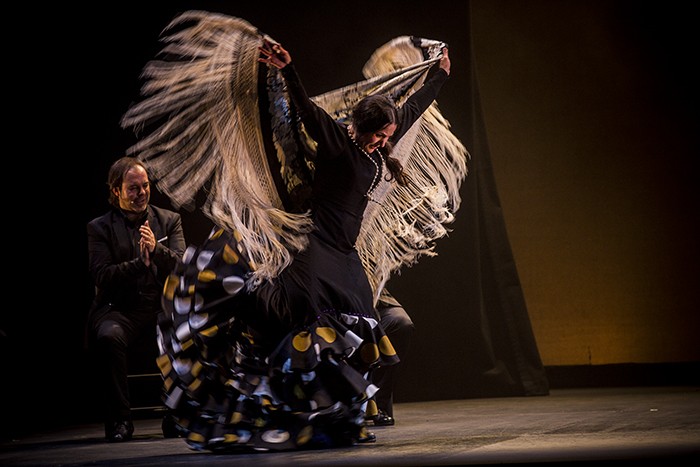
[[219, 124]]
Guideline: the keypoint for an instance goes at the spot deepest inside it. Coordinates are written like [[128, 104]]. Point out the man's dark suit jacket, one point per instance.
[[122, 280]]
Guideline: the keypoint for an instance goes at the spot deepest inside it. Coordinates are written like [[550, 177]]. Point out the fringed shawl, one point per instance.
[[216, 122]]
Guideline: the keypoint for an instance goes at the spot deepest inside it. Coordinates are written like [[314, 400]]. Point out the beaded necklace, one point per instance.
[[374, 184]]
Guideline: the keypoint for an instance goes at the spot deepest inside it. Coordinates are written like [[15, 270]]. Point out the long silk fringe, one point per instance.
[[201, 100]]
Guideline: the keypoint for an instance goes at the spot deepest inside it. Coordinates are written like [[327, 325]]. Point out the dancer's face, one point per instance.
[[378, 139]]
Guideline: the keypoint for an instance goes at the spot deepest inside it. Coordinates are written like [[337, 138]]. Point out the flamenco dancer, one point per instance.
[[270, 331]]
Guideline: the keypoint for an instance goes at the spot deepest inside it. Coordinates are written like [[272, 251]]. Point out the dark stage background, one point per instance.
[[474, 336], [330, 41]]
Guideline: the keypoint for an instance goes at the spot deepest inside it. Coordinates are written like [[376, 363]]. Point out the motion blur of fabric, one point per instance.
[[280, 374], [217, 120]]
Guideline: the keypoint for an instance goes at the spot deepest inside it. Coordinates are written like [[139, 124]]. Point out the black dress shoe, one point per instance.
[[120, 431], [170, 428], [382, 419]]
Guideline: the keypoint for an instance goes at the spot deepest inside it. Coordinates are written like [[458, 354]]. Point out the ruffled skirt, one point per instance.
[[231, 387]]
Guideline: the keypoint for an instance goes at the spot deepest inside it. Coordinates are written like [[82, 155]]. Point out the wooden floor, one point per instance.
[[656, 425]]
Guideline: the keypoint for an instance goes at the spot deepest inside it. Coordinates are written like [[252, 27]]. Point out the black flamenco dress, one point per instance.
[[284, 365], [280, 363], [232, 385]]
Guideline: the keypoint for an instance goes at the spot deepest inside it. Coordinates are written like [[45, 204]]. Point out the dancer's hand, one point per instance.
[[445, 60], [274, 54]]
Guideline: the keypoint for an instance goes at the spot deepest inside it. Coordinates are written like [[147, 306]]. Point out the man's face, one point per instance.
[[135, 192]]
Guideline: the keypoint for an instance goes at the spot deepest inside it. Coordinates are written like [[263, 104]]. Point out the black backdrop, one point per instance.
[[473, 334]]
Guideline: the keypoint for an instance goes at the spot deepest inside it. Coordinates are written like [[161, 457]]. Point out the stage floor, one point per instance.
[[657, 425]]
